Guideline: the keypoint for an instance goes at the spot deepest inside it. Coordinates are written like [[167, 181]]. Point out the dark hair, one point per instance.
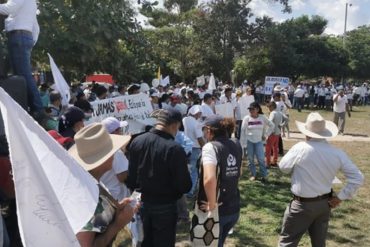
[[272, 104], [225, 129], [100, 90], [71, 116], [256, 106]]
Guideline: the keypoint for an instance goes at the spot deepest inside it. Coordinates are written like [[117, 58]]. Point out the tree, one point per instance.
[[358, 46], [90, 36]]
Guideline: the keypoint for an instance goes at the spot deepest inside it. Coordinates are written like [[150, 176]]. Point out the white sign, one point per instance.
[[55, 196], [135, 109], [225, 110], [270, 81]]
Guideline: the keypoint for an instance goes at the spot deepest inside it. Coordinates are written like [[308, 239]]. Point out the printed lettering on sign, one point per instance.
[[135, 109]]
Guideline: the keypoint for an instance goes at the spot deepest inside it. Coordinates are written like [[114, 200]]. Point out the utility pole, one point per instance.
[[345, 24]]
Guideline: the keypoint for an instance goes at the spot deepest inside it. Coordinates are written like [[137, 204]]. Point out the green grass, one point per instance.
[[263, 205]]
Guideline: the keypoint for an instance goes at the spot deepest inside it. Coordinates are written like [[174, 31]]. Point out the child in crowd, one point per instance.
[[275, 117]]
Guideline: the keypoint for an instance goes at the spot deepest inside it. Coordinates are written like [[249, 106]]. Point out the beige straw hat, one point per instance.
[[94, 145], [317, 127]]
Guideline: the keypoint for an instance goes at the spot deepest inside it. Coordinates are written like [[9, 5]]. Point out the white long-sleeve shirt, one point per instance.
[[314, 165], [21, 16], [253, 129]]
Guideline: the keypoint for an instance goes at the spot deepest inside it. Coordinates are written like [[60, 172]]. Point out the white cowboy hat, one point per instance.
[[317, 127], [94, 145]]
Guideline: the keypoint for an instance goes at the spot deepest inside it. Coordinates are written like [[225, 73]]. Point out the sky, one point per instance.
[[332, 10]]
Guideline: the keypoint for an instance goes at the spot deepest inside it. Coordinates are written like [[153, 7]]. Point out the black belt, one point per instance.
[[312, 199], [19, 32]]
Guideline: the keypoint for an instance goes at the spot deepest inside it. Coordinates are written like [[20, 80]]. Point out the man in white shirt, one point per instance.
[[114, 179], [313, 165], [340, 107], [207, 106], [299, 97], [22, 31], [193, 130]]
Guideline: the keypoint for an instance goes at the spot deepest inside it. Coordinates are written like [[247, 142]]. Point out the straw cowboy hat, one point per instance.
[[94, 145], [317, 127]]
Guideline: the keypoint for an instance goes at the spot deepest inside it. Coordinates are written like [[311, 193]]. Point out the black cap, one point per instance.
[[73, 115]]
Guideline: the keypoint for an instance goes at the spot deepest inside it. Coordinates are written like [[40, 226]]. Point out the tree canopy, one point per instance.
[[187, 39]]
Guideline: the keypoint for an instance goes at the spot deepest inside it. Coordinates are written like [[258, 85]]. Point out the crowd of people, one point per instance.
[[190, 154]]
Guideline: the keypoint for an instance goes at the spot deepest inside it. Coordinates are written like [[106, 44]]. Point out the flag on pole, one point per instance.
[[159, 76], [55, 196], [165, 81], [60, 83], [212, 83]]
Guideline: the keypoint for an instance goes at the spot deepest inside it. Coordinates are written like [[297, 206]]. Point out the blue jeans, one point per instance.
[[20, 46], [226, 223], [159, 223], [256, 149], [194, 173]]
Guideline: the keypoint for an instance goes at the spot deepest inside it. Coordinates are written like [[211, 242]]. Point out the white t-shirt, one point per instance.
[[224, 100], [299, 93], [340, 104], [21, 16], [206, 110], [193, 130], [117, 189], [209, 154]]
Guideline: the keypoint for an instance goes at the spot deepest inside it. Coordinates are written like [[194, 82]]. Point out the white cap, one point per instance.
[[195, 109], [112, 123]]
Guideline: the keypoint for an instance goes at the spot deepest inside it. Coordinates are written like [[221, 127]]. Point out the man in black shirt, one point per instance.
[[158, 169]]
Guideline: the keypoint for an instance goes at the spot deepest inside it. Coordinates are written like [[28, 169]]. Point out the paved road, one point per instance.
[[340, 138]]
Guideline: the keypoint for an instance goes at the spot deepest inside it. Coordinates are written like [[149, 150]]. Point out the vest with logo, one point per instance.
[[229, 159]]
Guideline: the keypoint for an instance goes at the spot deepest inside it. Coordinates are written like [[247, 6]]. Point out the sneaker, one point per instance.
[[252, 178], [264, 180]]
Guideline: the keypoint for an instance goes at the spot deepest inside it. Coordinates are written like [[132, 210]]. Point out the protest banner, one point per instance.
[[225, 110], [270, 81], [135, 109], [55, 196]]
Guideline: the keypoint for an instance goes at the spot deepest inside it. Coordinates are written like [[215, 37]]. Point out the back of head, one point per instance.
[[166, 117], [70, 117], [54, 96], [220, 126]]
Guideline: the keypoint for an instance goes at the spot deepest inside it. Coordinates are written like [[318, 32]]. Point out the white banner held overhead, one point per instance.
[[270, 81], [135, 109], [55, 196], [60, 83]]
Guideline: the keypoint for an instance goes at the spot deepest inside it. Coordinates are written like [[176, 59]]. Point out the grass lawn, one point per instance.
[[263, 205]]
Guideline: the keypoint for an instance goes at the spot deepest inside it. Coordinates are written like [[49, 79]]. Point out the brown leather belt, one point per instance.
[[312, 199], [19, 32]]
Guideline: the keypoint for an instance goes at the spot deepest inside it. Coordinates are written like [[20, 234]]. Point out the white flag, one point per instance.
[[60, 83], [166, 81], [55, 196], [212, 83]]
